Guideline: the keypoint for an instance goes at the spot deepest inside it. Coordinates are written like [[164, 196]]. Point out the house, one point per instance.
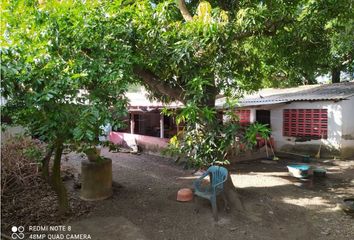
[[146, 118], [304, 118], [301, 119], [147, 127]]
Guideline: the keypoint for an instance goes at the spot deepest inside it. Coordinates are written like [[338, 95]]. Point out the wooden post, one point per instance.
[[162, 130], [132, 123]]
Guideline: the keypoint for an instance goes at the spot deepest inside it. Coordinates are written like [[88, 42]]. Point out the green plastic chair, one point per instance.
[[218, 176]]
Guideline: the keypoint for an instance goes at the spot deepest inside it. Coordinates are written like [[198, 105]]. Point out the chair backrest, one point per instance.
[[218, 175]]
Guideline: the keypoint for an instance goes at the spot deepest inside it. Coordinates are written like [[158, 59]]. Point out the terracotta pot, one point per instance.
[[184, 195]]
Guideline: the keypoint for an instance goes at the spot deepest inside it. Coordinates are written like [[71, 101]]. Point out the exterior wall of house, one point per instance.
[[148, 144], [330, 146], [347, 137]]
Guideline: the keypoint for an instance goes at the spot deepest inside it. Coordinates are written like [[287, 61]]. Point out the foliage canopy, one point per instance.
[[62, 73]]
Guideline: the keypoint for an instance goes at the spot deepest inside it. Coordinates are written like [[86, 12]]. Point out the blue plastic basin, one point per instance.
[[299, 171]]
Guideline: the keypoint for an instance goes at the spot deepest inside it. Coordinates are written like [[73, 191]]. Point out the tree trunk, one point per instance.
[[233, 199], [177, 93], [335, 75], [45, 163], [57, 183]]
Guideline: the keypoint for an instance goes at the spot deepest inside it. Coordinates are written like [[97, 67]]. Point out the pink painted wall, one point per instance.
[[144, 142]]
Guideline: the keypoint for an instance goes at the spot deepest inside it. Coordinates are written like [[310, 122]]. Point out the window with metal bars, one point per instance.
[[244, 116], [306, 123]]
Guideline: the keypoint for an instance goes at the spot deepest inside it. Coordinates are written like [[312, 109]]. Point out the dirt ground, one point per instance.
[[144, 206]]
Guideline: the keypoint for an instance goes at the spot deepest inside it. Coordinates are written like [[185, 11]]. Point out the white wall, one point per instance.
[[347, 141], [334, 123]]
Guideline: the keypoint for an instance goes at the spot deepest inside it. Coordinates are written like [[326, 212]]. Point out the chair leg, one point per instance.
[[215, 208]]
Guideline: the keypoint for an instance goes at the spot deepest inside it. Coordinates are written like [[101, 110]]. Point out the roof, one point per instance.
[[141, 102], [269, 96], [318, 92]]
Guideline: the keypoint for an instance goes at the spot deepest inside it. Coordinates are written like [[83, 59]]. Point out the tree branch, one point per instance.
[[184, 10], [155, 83]]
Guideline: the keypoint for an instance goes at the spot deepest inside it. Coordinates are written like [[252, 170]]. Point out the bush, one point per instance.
[[20, 157]]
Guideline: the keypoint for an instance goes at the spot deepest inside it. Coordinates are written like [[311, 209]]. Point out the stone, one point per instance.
[[325, 233]]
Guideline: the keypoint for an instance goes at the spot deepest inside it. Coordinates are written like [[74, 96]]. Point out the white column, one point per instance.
[[252, 115], [162, 130], [132, 123]]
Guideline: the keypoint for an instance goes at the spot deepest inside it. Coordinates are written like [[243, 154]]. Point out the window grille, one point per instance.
[[309, 123], [244, 116]]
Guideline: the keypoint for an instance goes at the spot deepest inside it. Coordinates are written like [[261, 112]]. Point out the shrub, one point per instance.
[[20, 157]]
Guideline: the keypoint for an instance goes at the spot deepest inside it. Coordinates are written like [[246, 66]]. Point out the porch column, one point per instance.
[[252, 115], [132, 123], [162, 130]]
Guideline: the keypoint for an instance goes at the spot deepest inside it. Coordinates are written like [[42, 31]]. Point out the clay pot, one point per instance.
[[184, 195]]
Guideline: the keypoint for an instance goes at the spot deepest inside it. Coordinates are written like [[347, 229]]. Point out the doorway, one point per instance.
[[137, 123]]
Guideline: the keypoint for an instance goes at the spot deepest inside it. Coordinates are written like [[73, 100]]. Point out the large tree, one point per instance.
[[192, 51]]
